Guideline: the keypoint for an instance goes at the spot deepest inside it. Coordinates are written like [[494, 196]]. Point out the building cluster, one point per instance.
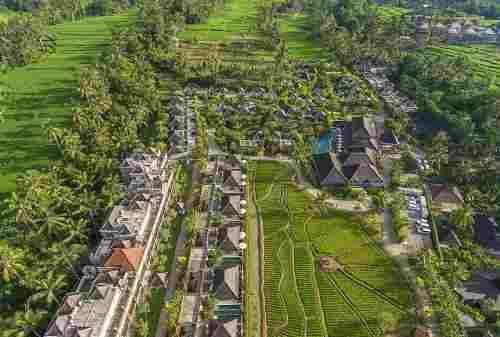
[[455, 32], [104, 300], [349, 154], [212, 306], [182, 123]]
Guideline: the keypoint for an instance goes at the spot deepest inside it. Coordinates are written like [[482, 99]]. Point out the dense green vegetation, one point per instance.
[[50, 222], [43, 94], [301, 298]]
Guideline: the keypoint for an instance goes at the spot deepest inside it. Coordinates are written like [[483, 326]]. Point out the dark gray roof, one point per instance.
[[227, 283], [485, 232], [481, 285], [326, 163]]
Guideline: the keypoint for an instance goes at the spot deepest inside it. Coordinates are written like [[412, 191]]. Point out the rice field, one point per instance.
[[485, 59], [43, 94], [302, 300], [5, 13], [231, 33]]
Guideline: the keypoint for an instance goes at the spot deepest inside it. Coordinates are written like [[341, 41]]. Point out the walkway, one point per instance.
[[161, 330]]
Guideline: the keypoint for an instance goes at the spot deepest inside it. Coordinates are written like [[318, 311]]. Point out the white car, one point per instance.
[[423, 230], [423, 225]]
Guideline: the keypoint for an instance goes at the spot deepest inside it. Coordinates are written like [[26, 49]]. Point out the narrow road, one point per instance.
[[161, 330]]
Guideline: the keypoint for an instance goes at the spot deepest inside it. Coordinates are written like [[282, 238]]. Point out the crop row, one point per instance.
[[304, 273], [394, 287], [369, 304]]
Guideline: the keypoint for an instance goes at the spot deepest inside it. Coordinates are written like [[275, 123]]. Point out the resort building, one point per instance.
[[349, 155], [105, 298]]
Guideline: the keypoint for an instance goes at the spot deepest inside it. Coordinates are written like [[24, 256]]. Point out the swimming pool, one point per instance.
[[326, 142]]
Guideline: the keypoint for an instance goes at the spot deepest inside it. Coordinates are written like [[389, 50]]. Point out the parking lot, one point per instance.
[[419, 231]]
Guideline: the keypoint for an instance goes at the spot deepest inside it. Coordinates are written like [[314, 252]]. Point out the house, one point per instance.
[[361, 156], [231, 180], [485, 234], [127, 258], [138, 163], [445, 197], [389, 142], [229, 238], [358, 171], [354, 162], [329, 170], [226, 283], [231, 205], [481, 286], [127, 220], [364, 175], [91, 313], [220, 328], [360, 133]]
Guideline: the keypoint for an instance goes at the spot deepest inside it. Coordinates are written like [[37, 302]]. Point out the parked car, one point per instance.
[[423, 230]]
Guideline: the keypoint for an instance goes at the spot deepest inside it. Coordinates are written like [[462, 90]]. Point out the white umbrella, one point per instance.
[[243, 211], [243, 245], [242, 235], [243, 202], [243, 183], [243, 176]]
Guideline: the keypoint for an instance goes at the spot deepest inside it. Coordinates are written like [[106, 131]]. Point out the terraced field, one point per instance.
[[45, 92], [302, 300], [231, 35], [484, 58]]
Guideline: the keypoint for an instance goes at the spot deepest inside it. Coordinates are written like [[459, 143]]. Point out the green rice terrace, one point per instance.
[[341, 296], [484, 58], [231, 33], [44, 93]]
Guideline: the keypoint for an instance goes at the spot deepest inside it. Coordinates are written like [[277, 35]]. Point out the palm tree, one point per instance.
[[319, 203], [463, 218], [48, 288], [11, 262], [25, 323]]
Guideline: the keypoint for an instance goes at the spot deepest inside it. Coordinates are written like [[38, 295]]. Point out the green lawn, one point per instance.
[[301, 300], [484, 58], [45, 93]]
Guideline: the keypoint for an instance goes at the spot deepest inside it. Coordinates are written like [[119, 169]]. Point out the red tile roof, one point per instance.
[[128, 258]]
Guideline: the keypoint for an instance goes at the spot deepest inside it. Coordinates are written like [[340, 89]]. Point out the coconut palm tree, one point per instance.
[[49, 288], [463, 218], [25, 323], [11, 262]]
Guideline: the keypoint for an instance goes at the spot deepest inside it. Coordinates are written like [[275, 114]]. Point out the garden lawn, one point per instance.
[[302, 300], [44, 94]]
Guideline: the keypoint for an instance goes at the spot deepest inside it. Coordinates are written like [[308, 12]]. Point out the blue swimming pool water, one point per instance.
[[326, 141]]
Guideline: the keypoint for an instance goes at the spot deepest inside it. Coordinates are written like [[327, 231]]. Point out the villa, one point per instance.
[[354, 157]]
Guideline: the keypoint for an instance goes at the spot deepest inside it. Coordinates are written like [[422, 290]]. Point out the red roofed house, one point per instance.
[[127, 258]]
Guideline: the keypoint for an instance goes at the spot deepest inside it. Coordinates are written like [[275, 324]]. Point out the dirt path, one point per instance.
[[259, 237]]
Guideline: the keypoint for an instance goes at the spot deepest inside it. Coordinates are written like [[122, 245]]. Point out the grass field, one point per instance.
[[301, 300], [484, 58], [44, 94]]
